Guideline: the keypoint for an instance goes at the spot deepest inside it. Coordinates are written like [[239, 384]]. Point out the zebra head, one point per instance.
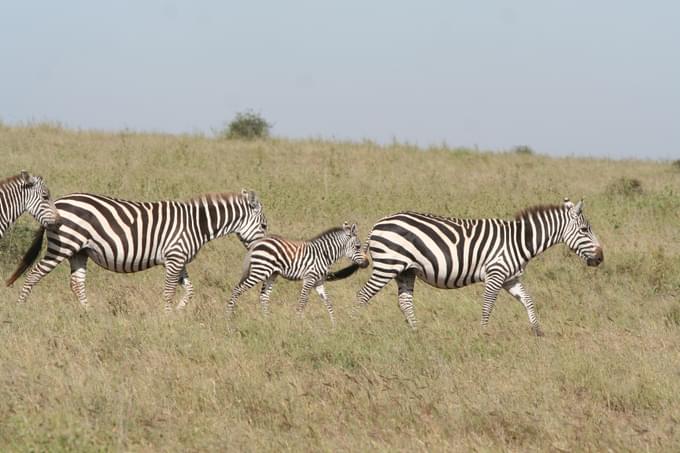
[[254, 224], [37, 200], [353, 245], [579, 236]]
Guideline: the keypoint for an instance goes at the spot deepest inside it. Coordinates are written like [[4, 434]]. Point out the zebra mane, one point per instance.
[[9, 179], [533, 210], [328, 232], [214, 196]]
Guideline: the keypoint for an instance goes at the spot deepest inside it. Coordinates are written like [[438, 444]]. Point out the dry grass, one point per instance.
[[125, 376]]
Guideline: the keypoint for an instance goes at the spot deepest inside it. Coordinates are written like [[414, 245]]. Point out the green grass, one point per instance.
[[125, 376]]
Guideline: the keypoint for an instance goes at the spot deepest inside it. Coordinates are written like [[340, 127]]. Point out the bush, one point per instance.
[[625, 186], [523, 149], [247, 126], [676, 164]]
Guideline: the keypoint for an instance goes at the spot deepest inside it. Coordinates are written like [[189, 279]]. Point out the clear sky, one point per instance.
[[597, 77]]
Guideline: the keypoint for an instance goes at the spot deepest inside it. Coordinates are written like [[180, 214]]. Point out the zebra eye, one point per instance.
[[583, 229]]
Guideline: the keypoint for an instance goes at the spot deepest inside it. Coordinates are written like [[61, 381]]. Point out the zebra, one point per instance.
[[130, 236], [25, 192], [451, 253], [308, 261]]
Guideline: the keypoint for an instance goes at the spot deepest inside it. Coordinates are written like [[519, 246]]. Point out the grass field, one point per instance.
[[126, 376]]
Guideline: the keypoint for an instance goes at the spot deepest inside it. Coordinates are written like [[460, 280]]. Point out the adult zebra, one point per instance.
[[308, 261], [131, 236], [25, 192], [452, 253]]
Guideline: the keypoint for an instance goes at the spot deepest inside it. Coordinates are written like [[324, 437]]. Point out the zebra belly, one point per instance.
[[118, 264], [449, 284]]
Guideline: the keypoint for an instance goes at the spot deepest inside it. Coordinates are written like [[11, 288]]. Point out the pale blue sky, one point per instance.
[[599, 78]]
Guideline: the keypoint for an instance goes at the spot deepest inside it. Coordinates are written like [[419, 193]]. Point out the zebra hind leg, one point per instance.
[[307, 284], [188, 289], [244, 285], [406, 282], [517, 290], [78, 264], [265, 292], [375, 283], [44, 267]]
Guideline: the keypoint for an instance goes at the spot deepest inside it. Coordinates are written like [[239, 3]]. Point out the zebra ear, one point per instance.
[[346, 228], [251, 196], [579, 207], [353, 230], [568, 204], [27, 178]]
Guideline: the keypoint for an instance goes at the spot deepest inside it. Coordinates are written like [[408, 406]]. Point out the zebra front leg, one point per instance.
[[188, 289], [321, 291], [173, 269], [307, 285], [492, 285], [78, 264], [406, 281], [44, 267], [517, 290], [265, 292]]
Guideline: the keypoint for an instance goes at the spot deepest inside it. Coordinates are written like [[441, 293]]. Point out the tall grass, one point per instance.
[[126, 376]]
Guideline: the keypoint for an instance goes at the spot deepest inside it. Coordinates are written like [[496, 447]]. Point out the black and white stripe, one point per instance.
[[308, 261], [130, 236], [452, 253], [25, 192]]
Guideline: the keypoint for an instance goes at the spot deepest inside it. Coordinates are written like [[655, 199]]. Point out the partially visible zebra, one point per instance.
[[131, 236], [25, 192], [452, 253], [308, 261]]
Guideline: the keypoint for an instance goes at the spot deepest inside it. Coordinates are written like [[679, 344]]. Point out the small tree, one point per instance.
[[247, 126]]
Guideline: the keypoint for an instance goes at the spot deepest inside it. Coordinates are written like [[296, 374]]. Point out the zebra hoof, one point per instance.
[[538, 332]]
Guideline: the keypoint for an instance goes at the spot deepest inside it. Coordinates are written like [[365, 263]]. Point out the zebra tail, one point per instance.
[[342, 273], [29, 258]]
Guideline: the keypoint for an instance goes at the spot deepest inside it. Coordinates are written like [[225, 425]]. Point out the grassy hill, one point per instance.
[[127, 376]]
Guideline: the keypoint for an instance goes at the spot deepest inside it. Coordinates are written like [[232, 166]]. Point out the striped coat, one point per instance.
[[25, 192], [451, 253], [308, 261], [131, 236]]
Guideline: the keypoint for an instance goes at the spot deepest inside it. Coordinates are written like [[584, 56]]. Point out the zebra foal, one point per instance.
[[25, 192], [131, 236], [451, 253], [308, 261]]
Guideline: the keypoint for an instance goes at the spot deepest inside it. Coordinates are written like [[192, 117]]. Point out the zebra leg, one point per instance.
[[265, 292], [307, 285], [492, 285], [375, 283], [173, 269], [406, 281], [78, 264], [321, 291], [517, 290], [188, 289], [44, 267], [245, 284]]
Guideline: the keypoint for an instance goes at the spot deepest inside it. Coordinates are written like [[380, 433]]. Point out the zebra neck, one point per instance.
[[10, 212], [541, 230], [214, 219], [328, 248]]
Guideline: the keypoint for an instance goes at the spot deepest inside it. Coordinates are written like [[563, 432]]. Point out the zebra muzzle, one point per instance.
[[596, 259]]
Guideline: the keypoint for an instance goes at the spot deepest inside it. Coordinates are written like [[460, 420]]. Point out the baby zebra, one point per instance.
[[308, 261]]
